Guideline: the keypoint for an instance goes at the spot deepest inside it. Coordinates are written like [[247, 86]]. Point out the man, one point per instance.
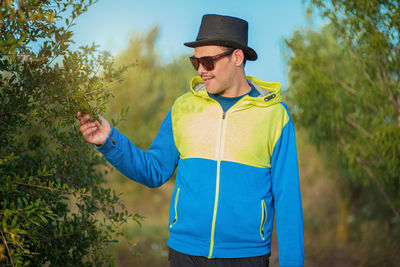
[[233, 142]]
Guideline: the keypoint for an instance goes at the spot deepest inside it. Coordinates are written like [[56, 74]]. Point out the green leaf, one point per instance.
[[14, 221], [43, 218]]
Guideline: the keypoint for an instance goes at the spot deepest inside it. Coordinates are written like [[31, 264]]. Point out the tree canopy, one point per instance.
[[345, 85], [54, 208], [345, 92]]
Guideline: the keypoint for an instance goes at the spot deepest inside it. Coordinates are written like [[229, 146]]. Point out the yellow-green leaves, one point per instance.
[[53, 205]]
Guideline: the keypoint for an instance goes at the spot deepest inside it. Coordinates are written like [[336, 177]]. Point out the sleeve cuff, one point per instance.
[[109, 144]]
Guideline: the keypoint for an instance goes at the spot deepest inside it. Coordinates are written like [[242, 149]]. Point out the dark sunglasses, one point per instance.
[[207, 62]]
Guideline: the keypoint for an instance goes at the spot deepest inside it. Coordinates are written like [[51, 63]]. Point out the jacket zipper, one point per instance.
[[175, 207], [263, 218], [220, 148]]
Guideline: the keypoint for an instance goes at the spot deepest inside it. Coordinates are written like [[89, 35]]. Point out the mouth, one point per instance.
[[206, 79]]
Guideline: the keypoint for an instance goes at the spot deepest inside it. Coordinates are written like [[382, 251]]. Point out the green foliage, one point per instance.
[[371, 241], [346, 88], [54, 209]]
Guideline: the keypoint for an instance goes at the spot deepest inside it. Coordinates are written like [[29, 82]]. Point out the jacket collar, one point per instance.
[[269, 91]]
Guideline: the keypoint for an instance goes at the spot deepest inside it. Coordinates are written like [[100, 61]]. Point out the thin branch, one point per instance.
[[349, 89], [52, 189], [380, 187], [370, 174], [121, 232], [355, 56], [13, 112], [398, 110], [385, 84], [5, 243], [58, 45], [361, 129]]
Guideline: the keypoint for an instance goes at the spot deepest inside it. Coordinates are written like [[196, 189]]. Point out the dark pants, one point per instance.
[[177, 259]]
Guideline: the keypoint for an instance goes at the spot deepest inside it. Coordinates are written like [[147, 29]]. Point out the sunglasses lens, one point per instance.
[[195, 62], [208, 63]]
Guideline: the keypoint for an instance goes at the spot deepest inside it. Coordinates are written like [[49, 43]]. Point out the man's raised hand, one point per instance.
[[93, 132]]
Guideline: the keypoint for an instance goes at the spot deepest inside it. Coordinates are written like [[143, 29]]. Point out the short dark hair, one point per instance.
[[231, 49]]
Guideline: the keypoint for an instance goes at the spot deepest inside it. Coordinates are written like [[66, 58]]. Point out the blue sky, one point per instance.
[[109, 24]]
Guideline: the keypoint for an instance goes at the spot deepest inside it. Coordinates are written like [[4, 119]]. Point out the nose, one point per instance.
[[201, 70]]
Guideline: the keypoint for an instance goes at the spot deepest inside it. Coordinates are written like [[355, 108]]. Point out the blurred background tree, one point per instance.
[[345, 90], [54, 209], [149, 91]]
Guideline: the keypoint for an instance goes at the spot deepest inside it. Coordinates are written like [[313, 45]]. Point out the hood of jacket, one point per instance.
[[269, 92]]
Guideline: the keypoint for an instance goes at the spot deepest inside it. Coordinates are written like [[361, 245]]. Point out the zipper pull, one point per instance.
[[223, 115], [270, 97]]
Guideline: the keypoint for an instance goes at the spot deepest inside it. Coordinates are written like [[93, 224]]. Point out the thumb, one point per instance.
[[103, 120], [105, 125]]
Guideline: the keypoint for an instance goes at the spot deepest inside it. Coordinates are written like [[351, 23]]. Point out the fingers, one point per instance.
[[103, 120], [88, 131], [92, 127], [87, 125], [83, 119], [105, 125], [97, 123], [80, 116]]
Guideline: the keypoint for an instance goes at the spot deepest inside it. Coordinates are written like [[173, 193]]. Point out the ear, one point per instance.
[[238, 57]]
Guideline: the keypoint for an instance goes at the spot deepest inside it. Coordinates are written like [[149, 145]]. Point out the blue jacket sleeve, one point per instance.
[[287, 198], [151, 168]]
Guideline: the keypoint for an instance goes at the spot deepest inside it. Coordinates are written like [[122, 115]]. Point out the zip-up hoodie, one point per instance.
[[237, 170]]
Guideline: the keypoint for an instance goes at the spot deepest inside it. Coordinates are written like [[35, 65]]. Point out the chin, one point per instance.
[[212, 91]]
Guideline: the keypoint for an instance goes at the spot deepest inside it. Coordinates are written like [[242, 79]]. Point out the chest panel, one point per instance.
[[247, 135]]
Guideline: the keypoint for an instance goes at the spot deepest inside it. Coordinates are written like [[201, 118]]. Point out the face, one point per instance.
[[219, 80]]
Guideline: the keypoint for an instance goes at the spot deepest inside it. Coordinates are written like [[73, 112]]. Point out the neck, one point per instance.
[[239, 87]]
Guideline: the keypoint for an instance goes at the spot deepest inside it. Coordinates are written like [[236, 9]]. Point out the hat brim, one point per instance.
[[249, 52]]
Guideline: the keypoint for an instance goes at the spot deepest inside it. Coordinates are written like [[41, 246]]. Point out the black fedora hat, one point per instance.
[[224, 31]]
